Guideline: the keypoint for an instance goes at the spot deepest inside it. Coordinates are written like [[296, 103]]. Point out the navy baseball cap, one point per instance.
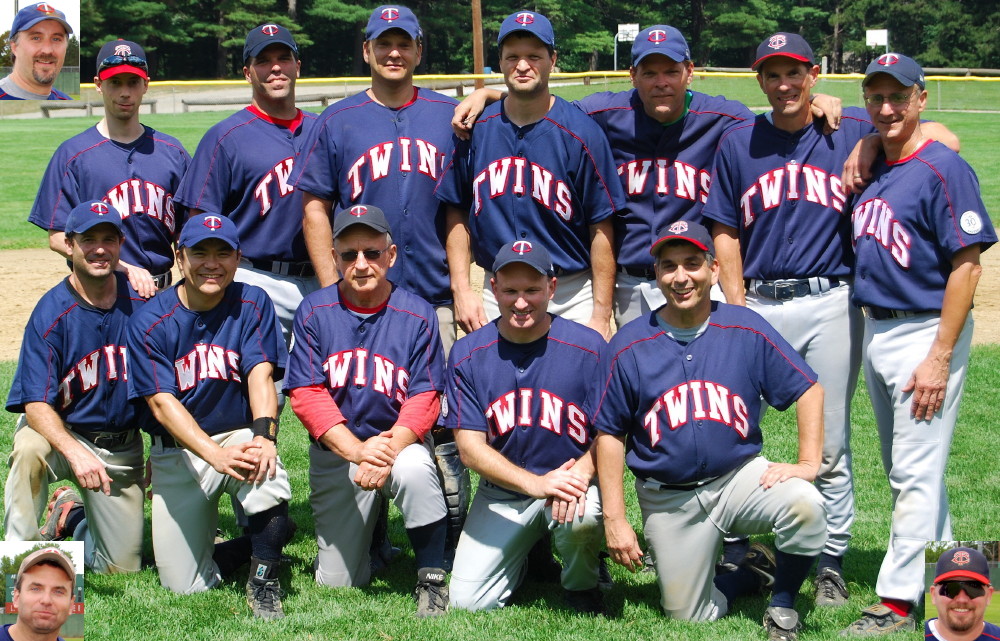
[[391, 16], [789, 45], [121, 56], [662, 39], [53, 555], [367, 215], [266, 35], [962, 563], [527, 252], [529, 22], [35, 13], [693, 233], [905, 70], [209, 225], [90, 214]]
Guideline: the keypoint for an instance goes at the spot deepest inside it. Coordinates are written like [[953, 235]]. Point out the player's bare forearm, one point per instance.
[[89, 470], [402, 437], [929, 381], [829, 108], [858, 166], [937, 131], [469, 109], [809, 418], [458, 246], [140, 279], [727, 246], [261, 394], [376, 450], [318, 233], [57, 243], [602, 265], [611, 473]]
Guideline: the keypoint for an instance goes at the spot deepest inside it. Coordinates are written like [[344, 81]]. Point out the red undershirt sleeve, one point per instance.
[[316, 409], [419, 413]]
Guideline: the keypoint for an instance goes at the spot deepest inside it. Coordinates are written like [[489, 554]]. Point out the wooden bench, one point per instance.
[[50, 105]]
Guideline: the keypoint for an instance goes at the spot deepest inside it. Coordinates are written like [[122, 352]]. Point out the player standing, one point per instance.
[[961, 592], [205, 355], [918, 231], [133, 168], [536, 463], [685, 393], [365, 378], [38, 41], [242, 169], [537, 168], [71, 385]]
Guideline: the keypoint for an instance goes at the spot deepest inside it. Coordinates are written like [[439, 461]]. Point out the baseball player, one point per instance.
[[918, 230], [537, 168], [42, 596], [205, 355], [71, 385], [243, 169], [131, 167], [684, 396], [38, 41], [961, 592], [365, 378], [520, 393]]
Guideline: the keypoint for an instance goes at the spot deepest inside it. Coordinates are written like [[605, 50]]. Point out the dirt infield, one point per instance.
[[30, 272]]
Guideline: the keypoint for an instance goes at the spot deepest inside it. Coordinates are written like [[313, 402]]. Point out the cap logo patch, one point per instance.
[[123, 50], [525, 18], [358, 210], [656, 36], [522, 247], [887, 59], [961, 558], [971, 223], [99, 208], [213, 222], [45, 8], [679, 227], [269, 30], [390, 13], [777, 41]]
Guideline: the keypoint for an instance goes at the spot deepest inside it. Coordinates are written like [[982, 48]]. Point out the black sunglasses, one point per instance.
[[950, 589], [351, 255], [114, 61]]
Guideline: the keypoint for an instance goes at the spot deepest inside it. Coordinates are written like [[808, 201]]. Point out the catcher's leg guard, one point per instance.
[[457, 490]]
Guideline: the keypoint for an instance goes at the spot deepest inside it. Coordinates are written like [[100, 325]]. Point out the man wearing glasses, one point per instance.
[[39, 38], [129, 166], [365, 377], [961, 592]]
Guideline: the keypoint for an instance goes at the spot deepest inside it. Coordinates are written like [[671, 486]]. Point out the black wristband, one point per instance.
[[265, 426]]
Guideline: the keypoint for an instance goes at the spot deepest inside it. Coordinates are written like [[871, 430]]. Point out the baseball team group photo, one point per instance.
[[674, 352]]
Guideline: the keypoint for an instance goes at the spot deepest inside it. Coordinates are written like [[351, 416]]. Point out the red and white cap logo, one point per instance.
[[390, 13], [45, 8], [887, 59], [657, 36], [679, 227], [269, 30], [99, 208], [961, 558], [525, 18], [358, 210], [777, 41], [123, 50], [522, 247], [212, 222]]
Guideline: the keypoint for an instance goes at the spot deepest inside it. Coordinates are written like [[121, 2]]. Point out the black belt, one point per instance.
[[646, 273], [165, 440], [108, 440], [787, 289], [163, 280], [282, 268], [881, 313], [653, 484]]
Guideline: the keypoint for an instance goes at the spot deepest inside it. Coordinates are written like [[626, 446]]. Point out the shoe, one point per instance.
[[648, 562], [63, 500], [604, 580], [431, 593], [760, 560], [877, 620], [586, 601], [782, 624], [263, 590], [831, 590]]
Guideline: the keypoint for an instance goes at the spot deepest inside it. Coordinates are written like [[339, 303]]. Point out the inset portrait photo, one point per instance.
[[39, 50], [960, 576], [43, 599]]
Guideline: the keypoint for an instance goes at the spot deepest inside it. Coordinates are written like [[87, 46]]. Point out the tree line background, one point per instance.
[[193, 39]]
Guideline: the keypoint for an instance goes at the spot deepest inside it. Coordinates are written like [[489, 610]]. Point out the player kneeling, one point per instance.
[[205, 355], [685, 392], [365, 378], [520, 393]]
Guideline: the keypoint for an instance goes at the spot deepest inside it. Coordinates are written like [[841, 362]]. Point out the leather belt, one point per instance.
[[165, 440], [163, 280], [282, 268], [787, 289], [108, 440], [646, 273], [653, 484], [881, 313]]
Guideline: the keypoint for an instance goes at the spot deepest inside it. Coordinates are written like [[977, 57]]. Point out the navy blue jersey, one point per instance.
[[363, 152], [913, 217], [664, 169], [74, 358], [370, 360], [533, 400], [242, 169], [690, 412], [548, 181], [203, 358], [138, 180], [782, 192], [54, 95], [5, 635], [990, 632]]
